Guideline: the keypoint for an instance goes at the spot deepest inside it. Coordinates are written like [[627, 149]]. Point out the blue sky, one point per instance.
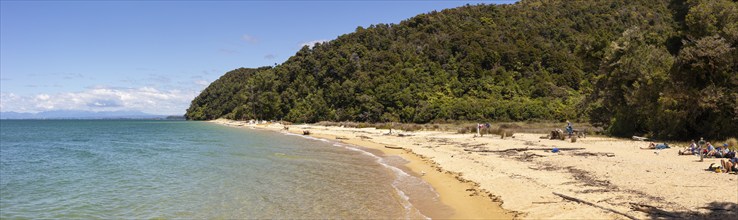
[[156, 56]]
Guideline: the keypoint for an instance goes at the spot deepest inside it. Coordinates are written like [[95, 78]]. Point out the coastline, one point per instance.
[[463, 197], [487, 178]]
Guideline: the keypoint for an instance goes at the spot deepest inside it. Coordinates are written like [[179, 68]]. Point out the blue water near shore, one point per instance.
[[182, 169]]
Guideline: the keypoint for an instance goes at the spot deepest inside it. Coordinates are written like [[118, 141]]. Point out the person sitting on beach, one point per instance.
[[729, 154], [656, 146], [692, 149], [730, 165], [726, 151], [721, 151]]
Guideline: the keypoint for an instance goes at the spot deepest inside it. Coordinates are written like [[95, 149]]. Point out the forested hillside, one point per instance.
[[665, 68], [223, 95]]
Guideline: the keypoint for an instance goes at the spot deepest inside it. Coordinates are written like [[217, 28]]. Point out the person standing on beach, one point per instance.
[[701, 144]]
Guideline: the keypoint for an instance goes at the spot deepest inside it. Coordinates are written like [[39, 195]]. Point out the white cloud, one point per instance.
[[42, 97], [6, 98], [312, 43], [146, 99], [249, 38]]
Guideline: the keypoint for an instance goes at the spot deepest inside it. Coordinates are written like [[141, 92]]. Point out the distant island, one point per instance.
[[76, 114], [665, 69]]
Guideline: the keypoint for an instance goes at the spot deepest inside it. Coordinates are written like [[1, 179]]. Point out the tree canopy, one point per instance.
[[667, 69]]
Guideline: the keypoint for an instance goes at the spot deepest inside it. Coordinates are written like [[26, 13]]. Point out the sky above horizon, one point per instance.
[[155, 57]]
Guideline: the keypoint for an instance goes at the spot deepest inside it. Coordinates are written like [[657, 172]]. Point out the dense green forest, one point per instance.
[[663, 68]]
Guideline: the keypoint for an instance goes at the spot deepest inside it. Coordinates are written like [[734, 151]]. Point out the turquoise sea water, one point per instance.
[[182, 169]]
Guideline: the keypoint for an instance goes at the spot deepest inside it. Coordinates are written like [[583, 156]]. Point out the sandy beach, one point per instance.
[[595, 177]]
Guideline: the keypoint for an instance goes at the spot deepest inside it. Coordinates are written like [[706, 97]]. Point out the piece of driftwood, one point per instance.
[[688, 186], [364, 137], [544, 202], [594, 154], [305, 132], [640, 138], [522, 149], [594, 205], [529, 155], [341, 138], [404, 135], [392, 147]]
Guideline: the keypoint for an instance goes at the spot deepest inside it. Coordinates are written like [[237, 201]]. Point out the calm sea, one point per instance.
[[183, 169]]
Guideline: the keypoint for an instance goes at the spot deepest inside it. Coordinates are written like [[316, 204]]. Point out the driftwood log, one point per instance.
[[594, 154], [640, 138], [393, 147], [530, 155], [522, 149], [594, 205]]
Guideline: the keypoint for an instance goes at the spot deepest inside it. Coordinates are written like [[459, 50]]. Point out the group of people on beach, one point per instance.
[[706, 150]]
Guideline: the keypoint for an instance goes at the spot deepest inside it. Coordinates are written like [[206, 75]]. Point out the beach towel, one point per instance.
[[713, 167]]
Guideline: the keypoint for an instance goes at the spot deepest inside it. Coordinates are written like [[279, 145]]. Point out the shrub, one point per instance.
[[409, 127], [509, 126], [467, 129]]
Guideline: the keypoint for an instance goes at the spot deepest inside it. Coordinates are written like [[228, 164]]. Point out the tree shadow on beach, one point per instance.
[[715, 210]]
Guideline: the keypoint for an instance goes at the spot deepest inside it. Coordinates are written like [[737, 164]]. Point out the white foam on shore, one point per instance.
[[307, 137], [402, 178]]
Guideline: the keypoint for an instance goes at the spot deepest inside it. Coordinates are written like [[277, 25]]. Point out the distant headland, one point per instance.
[[88, 115]]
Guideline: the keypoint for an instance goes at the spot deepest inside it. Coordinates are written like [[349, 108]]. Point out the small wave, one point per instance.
[[400, 177], [306, 137]]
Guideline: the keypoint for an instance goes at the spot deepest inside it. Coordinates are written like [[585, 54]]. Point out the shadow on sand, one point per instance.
[[714, 210]]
